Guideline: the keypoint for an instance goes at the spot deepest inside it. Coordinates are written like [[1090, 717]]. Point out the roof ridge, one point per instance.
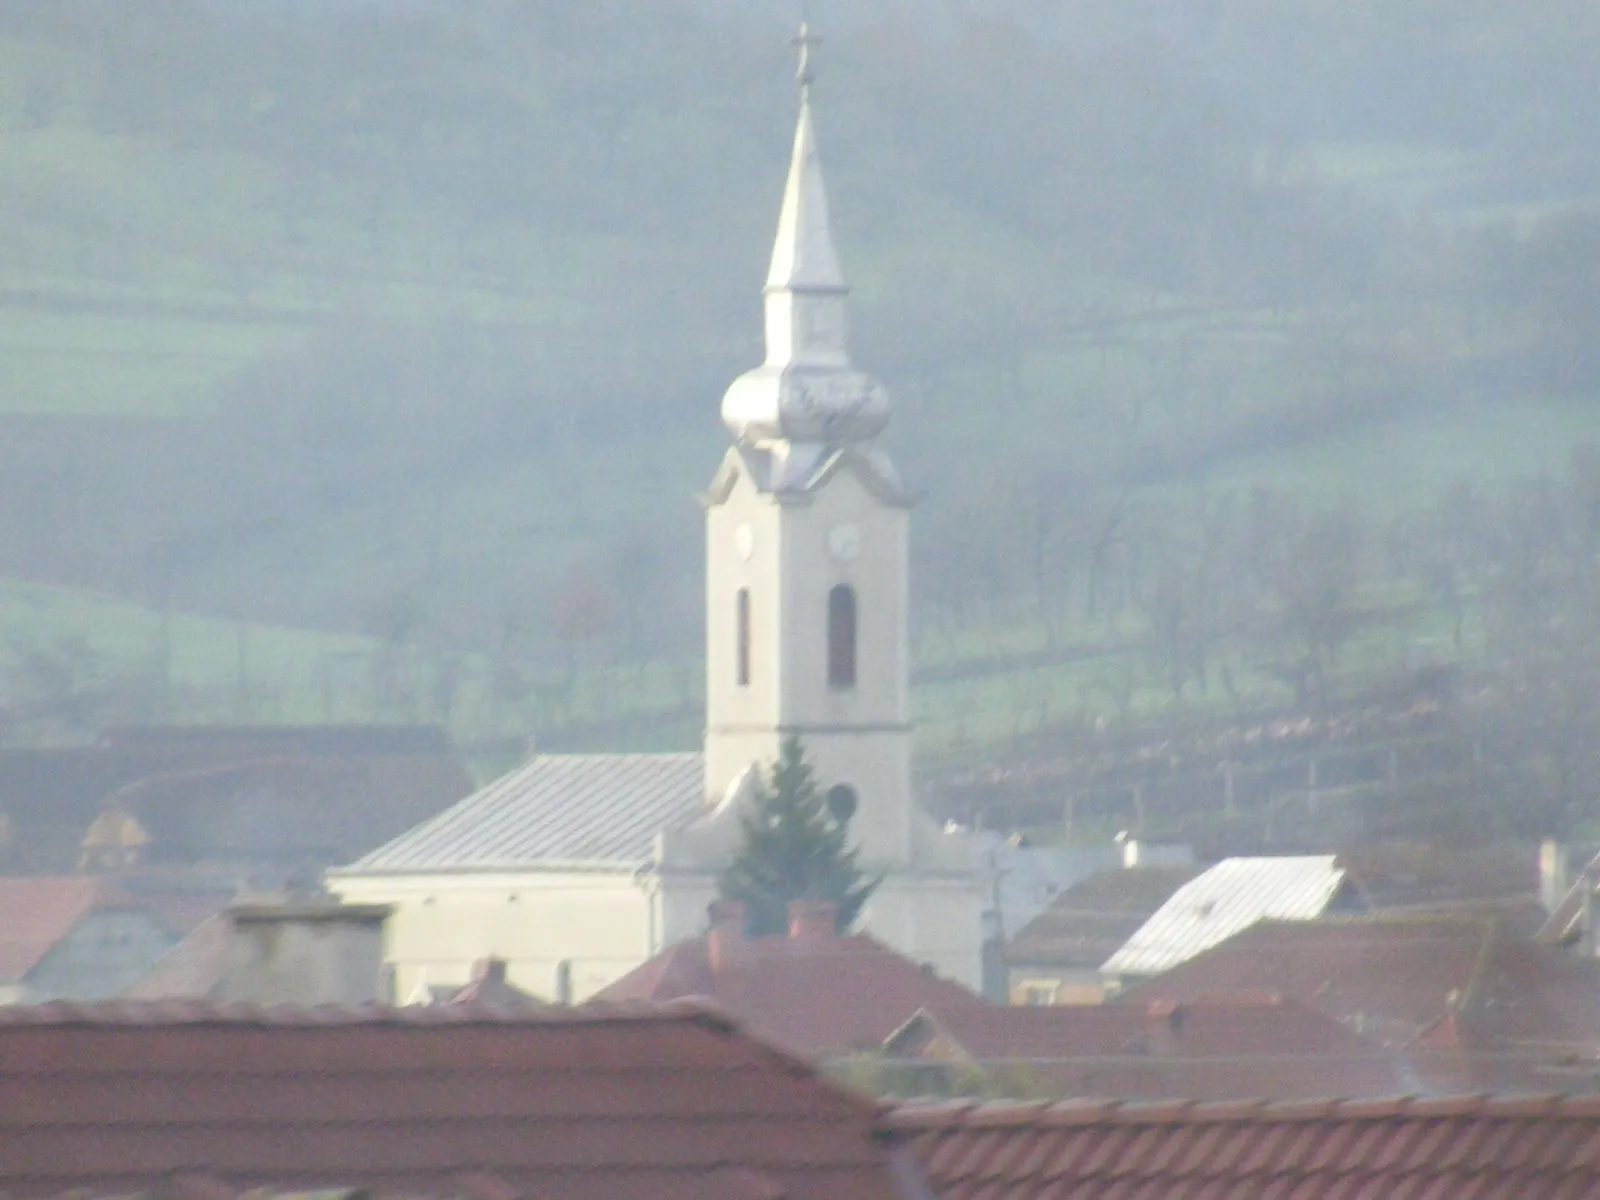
[[940, 1114], [132, 1013], [591, 809], [1480, 963]]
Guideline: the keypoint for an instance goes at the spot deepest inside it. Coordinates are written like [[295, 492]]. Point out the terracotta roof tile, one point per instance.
[[615, 1102], [814, 995], [1476, 1005], [1211, 1048], [1500, 1148]]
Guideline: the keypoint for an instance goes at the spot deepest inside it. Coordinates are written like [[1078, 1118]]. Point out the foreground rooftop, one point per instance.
[[1462, 1148], [607, 1103]]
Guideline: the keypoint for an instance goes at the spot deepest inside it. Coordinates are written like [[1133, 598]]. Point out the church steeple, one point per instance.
[[803, 257], [806, 391]]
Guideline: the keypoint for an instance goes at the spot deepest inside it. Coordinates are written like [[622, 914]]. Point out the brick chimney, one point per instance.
[[1164, 1031], [726, 934], [305, 952], [1554, 880], [489, 970], [812, 921]]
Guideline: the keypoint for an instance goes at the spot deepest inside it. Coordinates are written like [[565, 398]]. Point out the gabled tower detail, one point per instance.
[[806, 522]]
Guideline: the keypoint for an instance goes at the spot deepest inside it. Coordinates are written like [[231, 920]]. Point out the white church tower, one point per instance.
[[577, 868], [806, 581]]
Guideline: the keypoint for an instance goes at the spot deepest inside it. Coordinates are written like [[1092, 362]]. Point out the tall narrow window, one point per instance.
[[742, 649], [842, 637]]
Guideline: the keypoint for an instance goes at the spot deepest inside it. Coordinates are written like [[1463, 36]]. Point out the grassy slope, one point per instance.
[[140, 277]]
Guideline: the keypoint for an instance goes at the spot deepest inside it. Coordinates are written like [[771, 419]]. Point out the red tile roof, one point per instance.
[[1465, 1148], [1390, 975], [37, 913], [1523, 1015], [1530, 1022], [1212, 1049], [813, 995], [582, 1104], [1421, 875]]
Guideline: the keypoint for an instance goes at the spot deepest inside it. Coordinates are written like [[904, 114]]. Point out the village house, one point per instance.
[[1473, 1001], [1056, 957], [1226, 899]]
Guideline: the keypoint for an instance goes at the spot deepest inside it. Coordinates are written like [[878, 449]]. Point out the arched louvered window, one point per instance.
[[742, 648], [842, 637]]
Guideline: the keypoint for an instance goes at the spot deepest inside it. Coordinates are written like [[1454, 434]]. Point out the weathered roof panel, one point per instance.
[[571, 808], [1230, 897]]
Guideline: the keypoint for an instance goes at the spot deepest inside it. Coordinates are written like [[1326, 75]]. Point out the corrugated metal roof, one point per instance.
[[1229, 898], [1095, 917], [588, 808]]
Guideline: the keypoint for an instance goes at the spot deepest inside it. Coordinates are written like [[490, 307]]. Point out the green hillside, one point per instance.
[[405, 329]]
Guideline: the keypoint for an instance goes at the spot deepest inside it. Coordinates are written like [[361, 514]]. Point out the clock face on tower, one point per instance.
[[844, 542]]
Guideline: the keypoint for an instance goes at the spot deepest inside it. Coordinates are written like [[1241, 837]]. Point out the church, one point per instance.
[[577, 868]]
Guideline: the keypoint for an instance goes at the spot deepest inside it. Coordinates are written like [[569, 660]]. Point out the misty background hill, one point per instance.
[[363, 359]]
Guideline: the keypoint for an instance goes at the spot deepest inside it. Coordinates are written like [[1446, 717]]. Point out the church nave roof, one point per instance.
[[556, 808]]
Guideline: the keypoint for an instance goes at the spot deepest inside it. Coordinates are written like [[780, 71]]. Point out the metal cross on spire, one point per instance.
[[805, 40]]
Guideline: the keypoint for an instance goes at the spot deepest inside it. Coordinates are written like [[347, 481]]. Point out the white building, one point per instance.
[[576, 868]]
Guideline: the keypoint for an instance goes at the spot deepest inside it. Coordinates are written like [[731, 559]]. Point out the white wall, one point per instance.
[[601, 922], [860, 736], [933, 919]]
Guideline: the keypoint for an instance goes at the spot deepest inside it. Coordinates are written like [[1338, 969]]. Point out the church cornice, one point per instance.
[[873, 470], [802, 731], [794, 474]]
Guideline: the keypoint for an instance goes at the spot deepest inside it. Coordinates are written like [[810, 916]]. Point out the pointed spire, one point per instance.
[[803, 257], [806, 391]]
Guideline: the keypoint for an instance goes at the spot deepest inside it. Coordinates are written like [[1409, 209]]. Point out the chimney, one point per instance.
[[305, 953], [1586, 931], [726, 934], [489, 970], [1174, 1013], [1553, 878], [812, 921]]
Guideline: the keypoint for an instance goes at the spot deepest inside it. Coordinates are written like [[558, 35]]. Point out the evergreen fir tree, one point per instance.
[[794, 848]]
